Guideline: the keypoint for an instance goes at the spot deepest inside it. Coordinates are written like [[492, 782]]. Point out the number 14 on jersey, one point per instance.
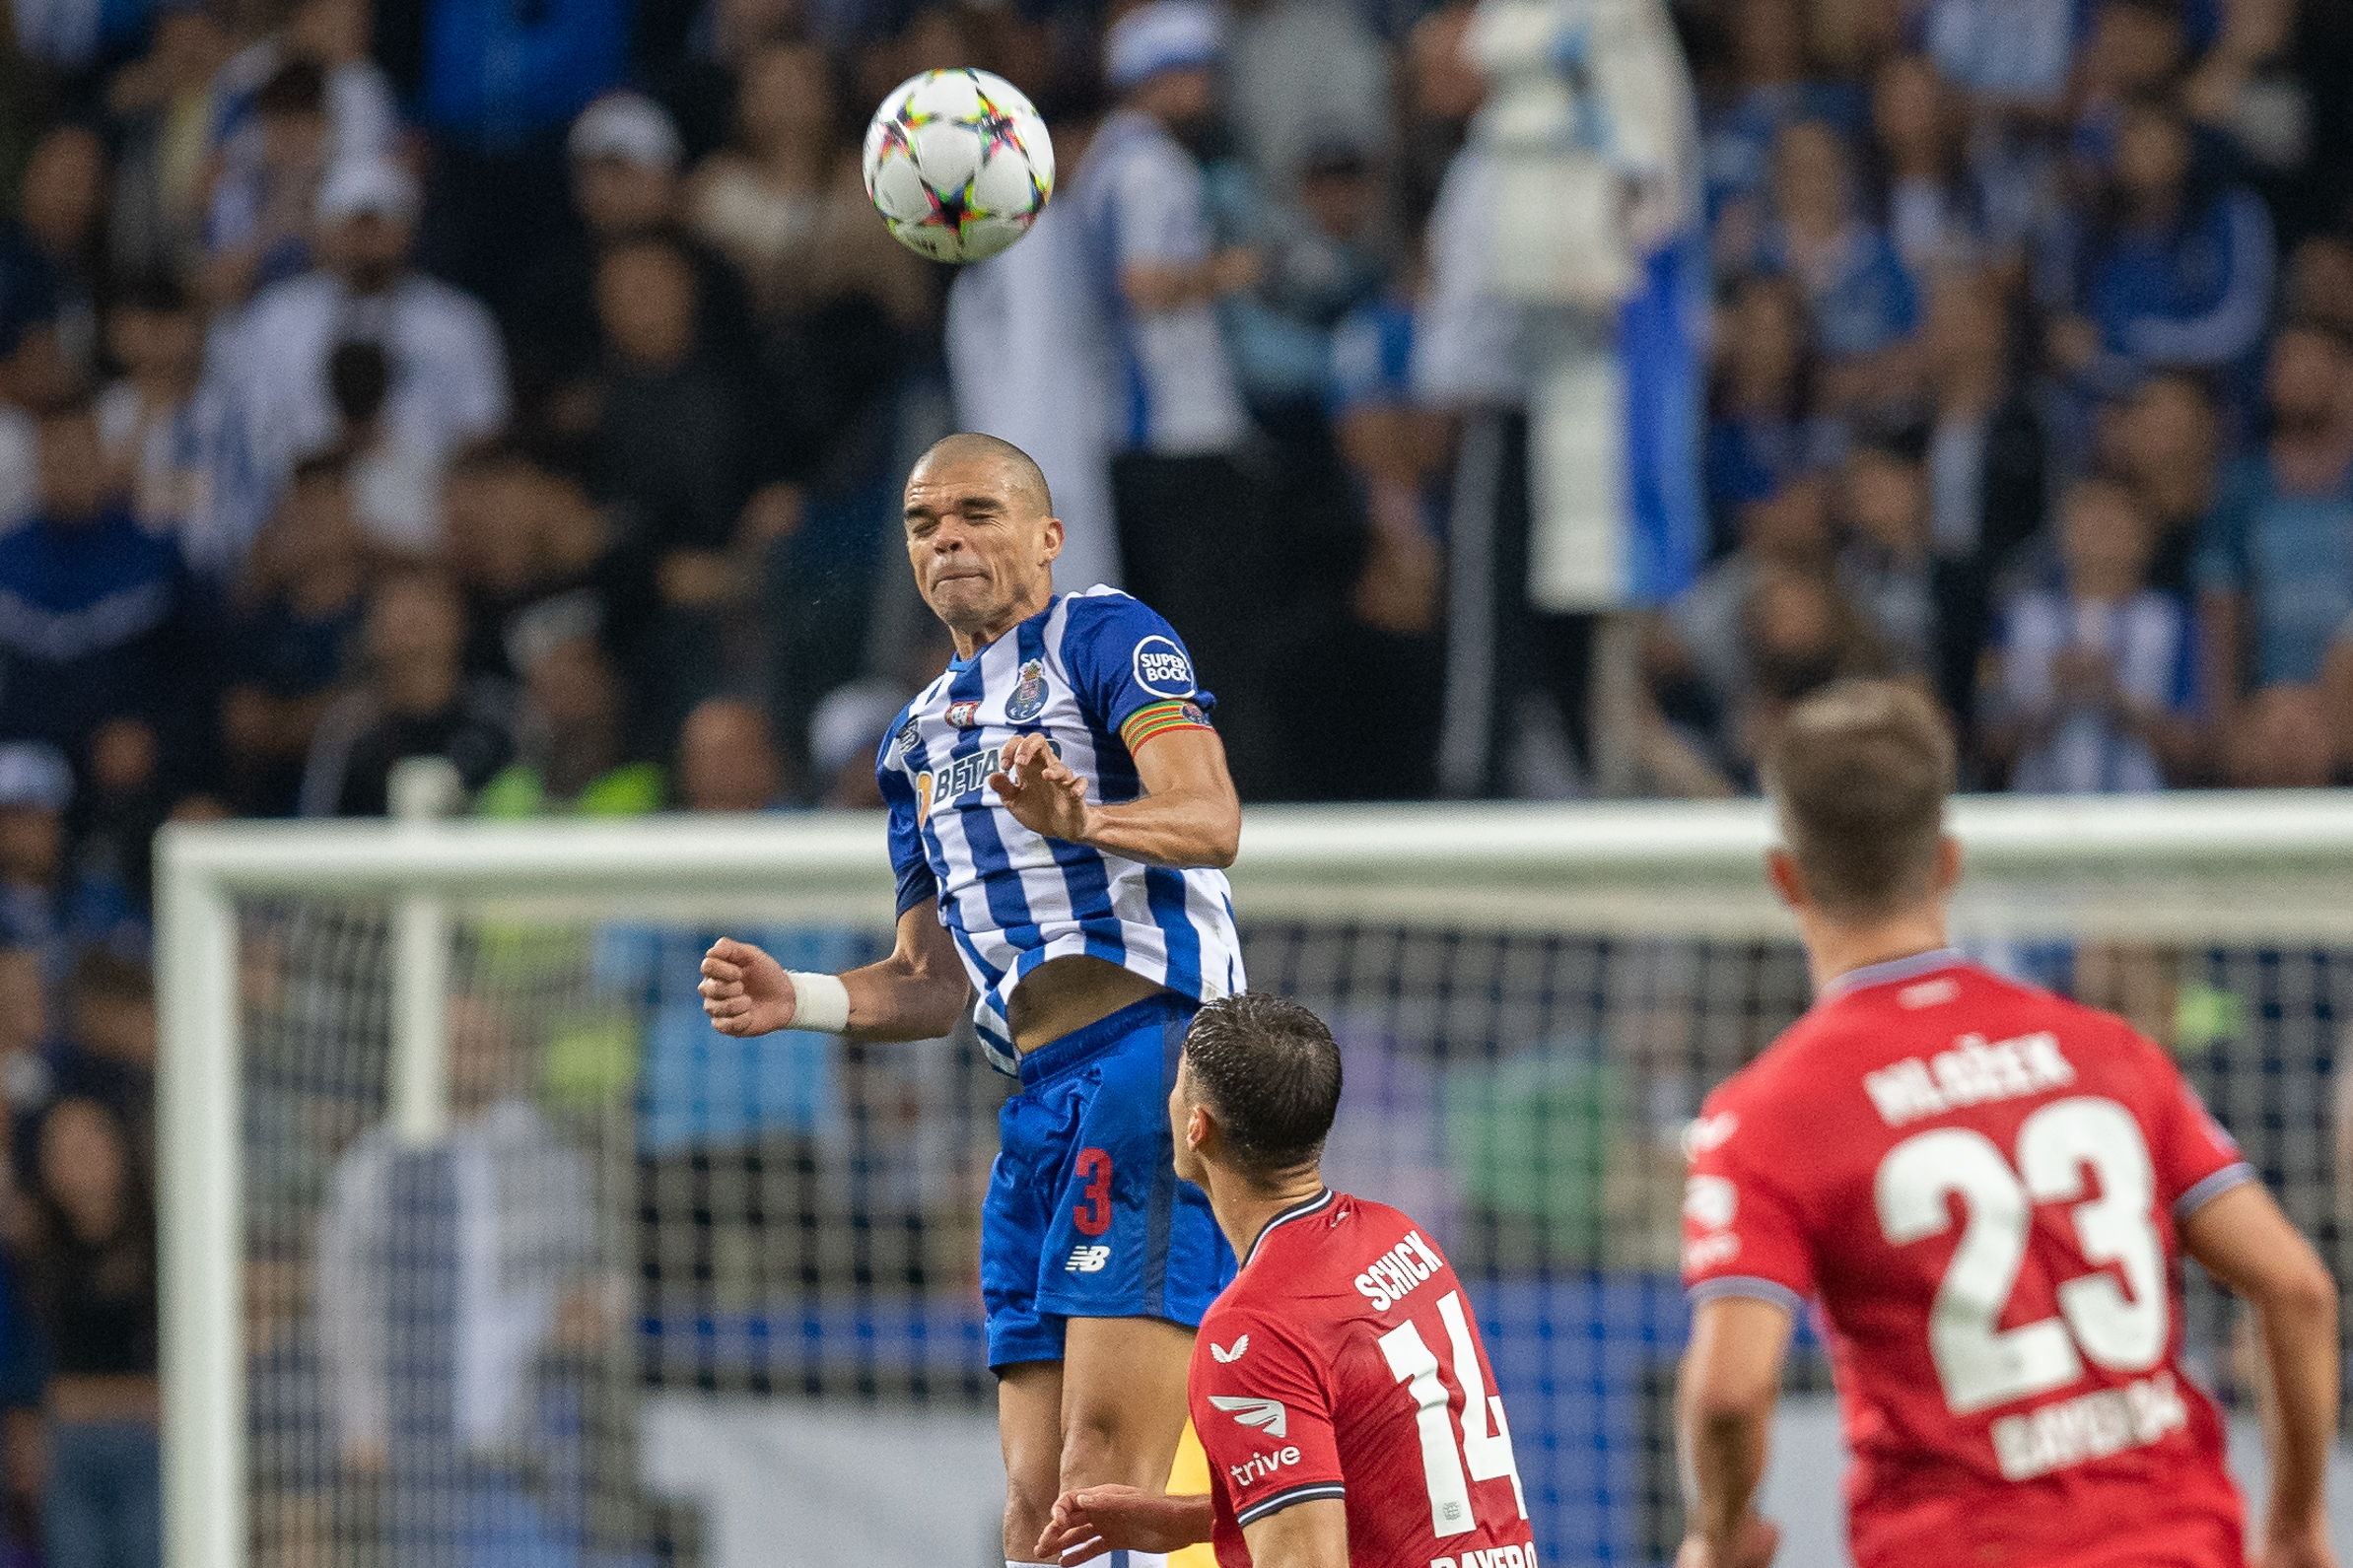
[[1485, 1452]]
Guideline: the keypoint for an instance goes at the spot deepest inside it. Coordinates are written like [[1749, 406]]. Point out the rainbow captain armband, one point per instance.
[[1158, 718]]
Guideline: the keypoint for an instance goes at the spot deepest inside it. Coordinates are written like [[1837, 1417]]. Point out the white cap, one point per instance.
[[1164, 36], [33, 772], [850, 723], [366, 185], [629, 126]]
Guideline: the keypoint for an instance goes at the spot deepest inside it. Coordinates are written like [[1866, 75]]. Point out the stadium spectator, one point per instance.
[[785, 204], [1764, 429], [2319, 282], [2137, 48], [451, 389], [2177, 267], [37, 786], [394, 478], [1191, 531], [1304, 74], [105, 1054], [1886, 564], [291, 627], [264, 201], [676, 444], [1799, 633], [1771, 90], [333, 39], [449, 1273], [1319, 262], [1863, 305], [2165, 440], [2097, 679], [417, 701], [571, 742], [96, 614], [849, 728], [2006, 54], [155, 422], [1988, 462], [130, 792], [89, 1274], [25, 1077], [2279, 738], [1396, 453], [50, 255], [161, 105], [527, 547], [1929, 206], [1700, 665], [493, 89], [625, 186], [2275, 560], [729, 761]]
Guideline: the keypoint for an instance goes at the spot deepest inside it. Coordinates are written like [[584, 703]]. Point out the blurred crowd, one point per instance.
[[1512, 399]]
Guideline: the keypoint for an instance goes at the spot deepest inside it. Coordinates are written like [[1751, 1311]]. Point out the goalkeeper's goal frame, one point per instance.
[[2180, 867]]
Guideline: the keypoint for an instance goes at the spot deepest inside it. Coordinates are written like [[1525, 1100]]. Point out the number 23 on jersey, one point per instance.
[[2120, 1328]]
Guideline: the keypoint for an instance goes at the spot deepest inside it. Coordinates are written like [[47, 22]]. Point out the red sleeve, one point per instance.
[[1741, 1232], [1263, 1416], [2196, 1160]]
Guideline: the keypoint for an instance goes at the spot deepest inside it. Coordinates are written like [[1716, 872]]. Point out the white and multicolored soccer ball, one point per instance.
[[959, 163]]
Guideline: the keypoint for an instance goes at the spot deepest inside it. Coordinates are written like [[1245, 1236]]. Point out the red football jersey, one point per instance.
[[1343, 1362], [1980, 1183]]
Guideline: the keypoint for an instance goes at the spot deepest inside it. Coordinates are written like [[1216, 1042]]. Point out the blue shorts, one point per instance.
[[1085, 1217]]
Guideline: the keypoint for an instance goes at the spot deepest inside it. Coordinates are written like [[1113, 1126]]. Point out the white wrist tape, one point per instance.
[[820, 1002]]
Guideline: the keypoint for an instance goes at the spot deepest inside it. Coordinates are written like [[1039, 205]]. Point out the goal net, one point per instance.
[[481, 1249]]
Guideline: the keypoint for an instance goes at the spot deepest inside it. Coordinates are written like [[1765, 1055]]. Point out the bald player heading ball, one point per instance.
[[1338, 1386], [1059, 808], [1989, 1191]]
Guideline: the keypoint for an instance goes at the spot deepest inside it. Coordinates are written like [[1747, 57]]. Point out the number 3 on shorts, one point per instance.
[[1093, 1217], [1979, 1363]]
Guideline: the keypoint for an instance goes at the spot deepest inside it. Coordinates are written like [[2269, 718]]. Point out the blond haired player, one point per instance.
[[1989, 1190]]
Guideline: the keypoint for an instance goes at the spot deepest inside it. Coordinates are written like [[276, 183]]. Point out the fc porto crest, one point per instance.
[[964, 714], [1029, 698]]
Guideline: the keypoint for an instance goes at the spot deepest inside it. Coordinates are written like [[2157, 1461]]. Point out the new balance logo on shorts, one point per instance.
[[1087, 1260]]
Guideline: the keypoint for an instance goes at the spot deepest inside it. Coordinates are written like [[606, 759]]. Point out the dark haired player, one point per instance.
[[1988, 1189], [1058, 808], [1338, 1386]]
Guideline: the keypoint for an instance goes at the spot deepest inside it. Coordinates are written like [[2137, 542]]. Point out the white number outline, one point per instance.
[[1487, 1454], [1977, 1363]]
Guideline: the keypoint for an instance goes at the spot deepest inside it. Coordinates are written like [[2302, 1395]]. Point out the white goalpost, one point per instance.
[[1531, 999]]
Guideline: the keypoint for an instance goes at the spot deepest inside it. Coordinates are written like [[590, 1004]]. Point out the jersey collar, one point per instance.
[[958, 665], [1314, 1205], [1892, 970]]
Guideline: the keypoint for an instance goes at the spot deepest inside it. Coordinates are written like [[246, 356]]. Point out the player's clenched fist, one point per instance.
[[744, 990], [1040, 789]]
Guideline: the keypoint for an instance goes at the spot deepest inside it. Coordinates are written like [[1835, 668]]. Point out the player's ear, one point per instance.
[[1948, 865], [1053, 538], [1200, 1125], [1780, 869]]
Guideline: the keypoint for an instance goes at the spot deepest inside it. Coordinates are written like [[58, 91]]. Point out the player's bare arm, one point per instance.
[[1100, 1518], [1731, 1380], [918, 992], [2242, 1238], [1188, 816]]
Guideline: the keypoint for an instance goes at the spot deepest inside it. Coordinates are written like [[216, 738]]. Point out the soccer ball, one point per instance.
[[959, 163]]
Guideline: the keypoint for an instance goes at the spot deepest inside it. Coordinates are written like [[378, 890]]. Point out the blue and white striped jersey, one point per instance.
[[1099, 675]]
